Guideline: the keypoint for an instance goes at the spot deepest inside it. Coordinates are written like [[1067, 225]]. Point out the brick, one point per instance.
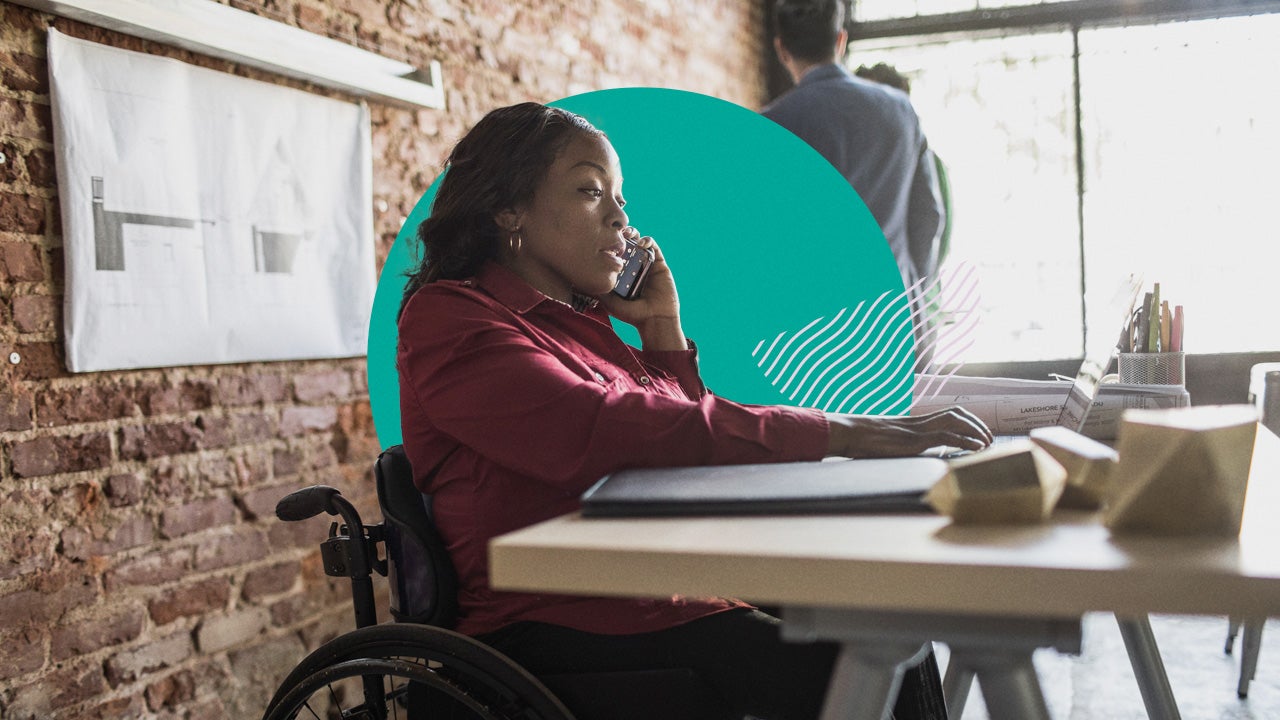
[[303, 534], [196, 516], [21, 213], [249, 390], [355, 440], [313, 387], [10, 169], [15, 412], [123, 490], [190, 600], [25, 73], [22, 651], [238, 548], [131, 532], [260, 503], [20, 262], [285, 462], [97, 633], [272, 580], [36, 313], [254, 427], [260, 668], [89, 403], [40, 361], [57, 690], [131, 664], [23, 552], [46, 600], [221, 632], [53, 455], [298, 420], [156, 568], [22, 119], [183, 397], [171, 691], [215, 432], [41, 169], [144, 442], [130, 706]]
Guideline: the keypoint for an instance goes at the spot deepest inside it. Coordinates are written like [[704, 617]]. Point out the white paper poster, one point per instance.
[[207, 218]]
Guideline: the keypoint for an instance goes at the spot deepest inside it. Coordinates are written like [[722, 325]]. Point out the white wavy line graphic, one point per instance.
[[954, 339], [862, 369]]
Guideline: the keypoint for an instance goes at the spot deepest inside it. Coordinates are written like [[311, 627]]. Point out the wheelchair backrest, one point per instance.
[[424, 586]]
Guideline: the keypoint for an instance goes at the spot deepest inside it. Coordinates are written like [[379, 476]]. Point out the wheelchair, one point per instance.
[[417, 667]]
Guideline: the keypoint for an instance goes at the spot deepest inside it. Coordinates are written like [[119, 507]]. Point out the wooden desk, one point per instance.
[[887, 583]]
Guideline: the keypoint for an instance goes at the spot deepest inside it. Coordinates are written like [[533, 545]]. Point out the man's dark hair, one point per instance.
[[885, 74], [808, 28]]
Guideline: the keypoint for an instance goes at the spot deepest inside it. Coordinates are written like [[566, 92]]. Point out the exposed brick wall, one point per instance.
[[142, 572]]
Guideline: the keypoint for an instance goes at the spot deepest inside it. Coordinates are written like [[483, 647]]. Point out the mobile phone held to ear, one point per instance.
[[637, 262]]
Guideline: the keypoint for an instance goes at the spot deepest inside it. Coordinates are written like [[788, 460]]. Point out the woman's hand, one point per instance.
[[656, 312], [875, 436]]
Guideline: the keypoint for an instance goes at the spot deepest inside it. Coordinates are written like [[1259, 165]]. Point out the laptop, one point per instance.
[[1099, 353], [873, 485]]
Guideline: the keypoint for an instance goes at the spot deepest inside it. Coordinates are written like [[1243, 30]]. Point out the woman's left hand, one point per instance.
[[859, 436], [656, 312]]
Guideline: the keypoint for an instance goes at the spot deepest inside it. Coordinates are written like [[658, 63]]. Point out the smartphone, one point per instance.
[[637, 262]]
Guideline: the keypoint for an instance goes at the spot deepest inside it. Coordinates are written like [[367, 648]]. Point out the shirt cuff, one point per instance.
[[681, 365]]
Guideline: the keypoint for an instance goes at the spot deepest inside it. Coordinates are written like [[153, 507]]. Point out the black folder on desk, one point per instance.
[[891, 485]]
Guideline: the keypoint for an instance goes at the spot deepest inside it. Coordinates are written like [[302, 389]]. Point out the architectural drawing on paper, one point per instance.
[[108, 228]]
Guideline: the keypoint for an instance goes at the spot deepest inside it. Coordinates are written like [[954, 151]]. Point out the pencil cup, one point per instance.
[[1165, 368]]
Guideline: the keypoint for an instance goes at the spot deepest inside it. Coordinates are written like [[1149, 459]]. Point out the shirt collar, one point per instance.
[[511, 290], [826, 71]]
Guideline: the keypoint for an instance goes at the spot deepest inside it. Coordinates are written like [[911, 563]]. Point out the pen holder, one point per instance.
[[1163, 368]]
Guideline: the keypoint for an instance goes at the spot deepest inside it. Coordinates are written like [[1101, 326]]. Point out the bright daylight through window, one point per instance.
[[1179, 125]]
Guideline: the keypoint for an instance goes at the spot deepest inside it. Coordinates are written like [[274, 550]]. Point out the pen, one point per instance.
[[1143, 324], [1175, 338], [1153, 308], [1166, 327]]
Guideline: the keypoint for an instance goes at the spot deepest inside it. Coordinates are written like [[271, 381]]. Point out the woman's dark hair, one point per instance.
[[495, 167], [808, 28]]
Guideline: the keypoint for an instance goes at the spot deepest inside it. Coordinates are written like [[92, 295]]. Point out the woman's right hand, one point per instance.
[[861, 436]]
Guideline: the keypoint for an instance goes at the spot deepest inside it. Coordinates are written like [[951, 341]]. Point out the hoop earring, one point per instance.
[[515, 241]]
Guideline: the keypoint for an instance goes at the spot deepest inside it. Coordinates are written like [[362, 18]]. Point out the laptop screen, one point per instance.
[[1101, 347]]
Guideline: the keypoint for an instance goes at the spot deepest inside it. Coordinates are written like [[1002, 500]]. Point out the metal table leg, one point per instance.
[[1148, 668], [877, 644], [956, 683]]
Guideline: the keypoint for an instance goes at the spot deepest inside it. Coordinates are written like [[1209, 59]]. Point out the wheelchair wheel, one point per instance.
[[411, 671]]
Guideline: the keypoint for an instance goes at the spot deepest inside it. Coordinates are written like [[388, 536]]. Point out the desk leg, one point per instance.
[[1008, 680], [997, 650], [956, 683], [1148, 668], [866, 679]]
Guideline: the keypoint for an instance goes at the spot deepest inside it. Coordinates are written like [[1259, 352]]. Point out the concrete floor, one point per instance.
[[1099, 684]]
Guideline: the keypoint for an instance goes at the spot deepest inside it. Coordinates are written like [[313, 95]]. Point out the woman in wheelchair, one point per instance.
[[517, 395]]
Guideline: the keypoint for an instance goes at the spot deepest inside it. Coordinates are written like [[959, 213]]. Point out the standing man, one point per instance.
[[867, 131]]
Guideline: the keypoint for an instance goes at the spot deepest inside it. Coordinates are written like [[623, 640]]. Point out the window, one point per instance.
[[1080, 153]]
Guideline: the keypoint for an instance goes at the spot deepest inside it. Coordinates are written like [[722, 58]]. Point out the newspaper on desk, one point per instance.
[[1011, 406]]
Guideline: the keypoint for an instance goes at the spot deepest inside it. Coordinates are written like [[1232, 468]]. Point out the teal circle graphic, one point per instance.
[[786, 282]]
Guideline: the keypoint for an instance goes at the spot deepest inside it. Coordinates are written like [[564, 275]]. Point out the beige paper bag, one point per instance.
[[1088, 464], [1182, 471], [1013, 483]]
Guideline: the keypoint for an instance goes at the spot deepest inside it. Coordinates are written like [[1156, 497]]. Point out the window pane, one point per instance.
[[1182, 150], [999, 113]]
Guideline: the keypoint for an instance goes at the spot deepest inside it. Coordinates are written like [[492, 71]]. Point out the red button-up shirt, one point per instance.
[[536, 402]]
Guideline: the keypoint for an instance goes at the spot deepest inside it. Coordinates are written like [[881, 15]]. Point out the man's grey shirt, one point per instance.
[[872, 135]]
